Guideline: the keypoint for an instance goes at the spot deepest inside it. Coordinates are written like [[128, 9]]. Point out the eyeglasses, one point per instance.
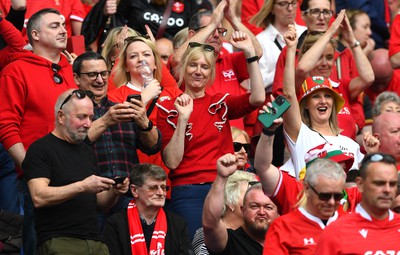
[[93, 75], [317, 12], [80, 94], [154, 188], [286, 4], [221, 30], [327, 196], [238, 146], [206, 47], [136, 38], [56, 76]]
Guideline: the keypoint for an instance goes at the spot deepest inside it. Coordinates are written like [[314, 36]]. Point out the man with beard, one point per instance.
[[61, 174], [258, 212]]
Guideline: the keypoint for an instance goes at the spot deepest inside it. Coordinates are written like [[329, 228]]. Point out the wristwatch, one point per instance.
[[149, 127], [355, 44]]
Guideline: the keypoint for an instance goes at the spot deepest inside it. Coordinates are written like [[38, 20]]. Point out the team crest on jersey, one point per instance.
[[178, 7], [164, 98], [229, 75]]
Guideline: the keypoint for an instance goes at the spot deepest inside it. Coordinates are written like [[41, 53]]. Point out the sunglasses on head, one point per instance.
[[136, 38], [206, 47], [327, 196], [80, 94], [238, 146], [56, 76]]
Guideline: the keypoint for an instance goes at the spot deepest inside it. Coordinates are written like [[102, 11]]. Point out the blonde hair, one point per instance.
[[193, 54], [111, 42], [236, 132], [265, 16], [122, 76]]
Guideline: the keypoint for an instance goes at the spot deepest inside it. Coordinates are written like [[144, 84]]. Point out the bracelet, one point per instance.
[[252, 59], [149, 127], [268, 132]]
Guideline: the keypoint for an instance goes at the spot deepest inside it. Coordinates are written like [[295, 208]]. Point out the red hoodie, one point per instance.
[[28, 95]]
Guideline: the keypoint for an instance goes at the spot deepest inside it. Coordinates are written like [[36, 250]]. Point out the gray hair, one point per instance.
[[324, 167], [383, 98]]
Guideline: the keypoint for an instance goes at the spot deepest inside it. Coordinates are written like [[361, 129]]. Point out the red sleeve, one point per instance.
[[394, 40], [78, 12], [277, 85], [166, 129], [14, 40], [286, 194], [238, 106], [249, 9]]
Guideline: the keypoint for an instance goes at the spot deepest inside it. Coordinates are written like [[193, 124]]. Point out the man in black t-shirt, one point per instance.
[[258, 212], [60, 171]]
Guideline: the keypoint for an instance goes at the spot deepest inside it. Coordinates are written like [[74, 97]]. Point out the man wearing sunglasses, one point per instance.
[[61, 171], [373, 228], [118, 129], [29, 86], [145, 227]]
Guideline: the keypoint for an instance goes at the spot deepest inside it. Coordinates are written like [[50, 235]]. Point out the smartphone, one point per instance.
[[119, 180], [279, 107], [135, 96]]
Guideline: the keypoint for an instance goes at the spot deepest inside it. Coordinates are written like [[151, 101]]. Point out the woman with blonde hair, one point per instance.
[[195, 126]]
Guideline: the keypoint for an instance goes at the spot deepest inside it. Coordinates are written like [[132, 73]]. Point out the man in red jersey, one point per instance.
[[373, 228]]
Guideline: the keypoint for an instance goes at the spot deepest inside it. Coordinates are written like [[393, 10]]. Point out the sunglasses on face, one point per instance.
[[327, 196], [93, 75], [238, 146], [206, 47], [221, 30], [56, 76], [80, 94]]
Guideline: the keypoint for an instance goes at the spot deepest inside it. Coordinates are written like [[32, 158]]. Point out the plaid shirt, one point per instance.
[[116, 148]]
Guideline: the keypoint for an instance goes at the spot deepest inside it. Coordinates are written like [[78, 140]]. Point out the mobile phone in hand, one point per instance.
[[119, 180], [135, 96], [279, 107]]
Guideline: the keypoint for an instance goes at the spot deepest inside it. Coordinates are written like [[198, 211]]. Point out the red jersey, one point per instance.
[[295, 233], [359, 233]]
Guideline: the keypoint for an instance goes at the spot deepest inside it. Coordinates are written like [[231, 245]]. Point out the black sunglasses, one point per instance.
[[221, 30], [136, 38], [206, 47], [56, 76], [327, 196], [238, 146], [93, 75], [80, 94]]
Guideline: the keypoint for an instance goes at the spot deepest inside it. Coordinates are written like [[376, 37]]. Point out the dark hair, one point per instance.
[[304, 5], [140, 172], [34, 21], [194, 22], [375, 157], [88, 55]]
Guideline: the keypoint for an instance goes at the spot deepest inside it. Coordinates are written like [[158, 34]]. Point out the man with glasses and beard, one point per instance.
[[29, 86], [373, 228], [61, 173], [258, 213]]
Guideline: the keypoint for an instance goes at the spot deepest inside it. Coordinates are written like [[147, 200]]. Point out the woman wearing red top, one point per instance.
[[195, 127]]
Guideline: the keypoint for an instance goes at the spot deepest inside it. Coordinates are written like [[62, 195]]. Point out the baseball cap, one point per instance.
[[329, 151], [314, 83]]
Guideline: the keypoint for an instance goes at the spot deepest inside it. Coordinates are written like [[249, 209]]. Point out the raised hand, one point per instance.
[[152, 90], [291, 36], [184, 106], [243, 42], [226, 165]]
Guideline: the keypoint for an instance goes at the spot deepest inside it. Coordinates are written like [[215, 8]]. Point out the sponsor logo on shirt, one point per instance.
[[379, 252], [154, 17], [178, 7], [308, 241], [164, 98], [363, 232], [229, 75]]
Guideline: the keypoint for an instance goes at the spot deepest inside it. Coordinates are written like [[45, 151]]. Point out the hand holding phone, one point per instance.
[[119, 180], [279, 107], [134, 96]]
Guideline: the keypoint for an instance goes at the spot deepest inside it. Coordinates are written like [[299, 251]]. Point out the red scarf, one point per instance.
[[138, 242]]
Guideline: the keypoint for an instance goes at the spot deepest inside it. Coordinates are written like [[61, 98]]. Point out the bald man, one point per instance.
[[386, 128], [386, 79], [165, 48]]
